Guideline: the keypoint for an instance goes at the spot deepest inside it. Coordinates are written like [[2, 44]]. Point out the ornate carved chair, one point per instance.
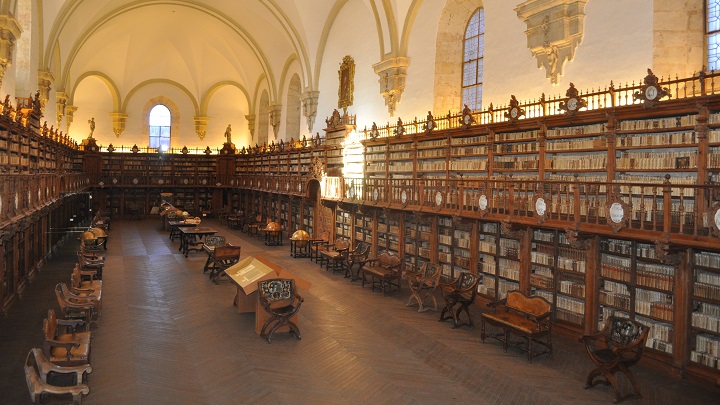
[[57, 375], [423, 284], [37, 371], [224, 258], [65, 343], [355, 261], [617, 347], [79, 296], [280, 299], [460, 292], [334, 255], [384, 271], [74, 310], [85, 279], [90, 264], [211, 243]]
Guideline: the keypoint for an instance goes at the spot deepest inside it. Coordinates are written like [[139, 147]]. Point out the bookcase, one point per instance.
[[388, 231], [469, 156], [635, 284], [343, 223], [364, 225], [417, 235], [488, 241], [705, 316], [515, 154]]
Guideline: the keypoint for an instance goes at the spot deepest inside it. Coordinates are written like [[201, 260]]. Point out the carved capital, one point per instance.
[[554, 30], [69, 112], [274, 113], [251, 124], [9, 33], [118, 122], [392, 73], [201, 126], [309, 105], [45, 81]]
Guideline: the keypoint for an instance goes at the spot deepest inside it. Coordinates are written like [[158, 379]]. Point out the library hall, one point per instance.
[[359, 202]]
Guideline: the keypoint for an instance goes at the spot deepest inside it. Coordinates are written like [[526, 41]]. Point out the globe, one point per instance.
[[301, 238]]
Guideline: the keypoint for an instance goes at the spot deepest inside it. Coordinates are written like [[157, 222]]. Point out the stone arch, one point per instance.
[[449, 53]]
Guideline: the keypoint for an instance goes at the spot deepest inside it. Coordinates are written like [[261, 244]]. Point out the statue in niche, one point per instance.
[[91, 121], [228, 134]]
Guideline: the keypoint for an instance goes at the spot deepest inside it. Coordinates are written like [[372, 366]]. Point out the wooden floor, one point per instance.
[[170, 336]]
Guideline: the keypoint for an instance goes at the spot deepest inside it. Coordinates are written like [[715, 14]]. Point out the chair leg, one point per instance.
[[630, 376]]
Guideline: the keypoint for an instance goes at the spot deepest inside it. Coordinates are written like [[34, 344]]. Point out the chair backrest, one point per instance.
[[227, 253], [277, 289], [342, 244], [430, 271], [466, 281], [536, 306], [625, 333], [389, 260], [362, 250], [215, 240]]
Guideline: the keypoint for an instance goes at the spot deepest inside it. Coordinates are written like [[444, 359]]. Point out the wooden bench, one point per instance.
[[523, 316], [383, 271]]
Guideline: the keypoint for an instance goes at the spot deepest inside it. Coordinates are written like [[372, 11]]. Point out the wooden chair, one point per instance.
[[280, 299], [64, 343], [617, 347], [37, 370], [82, 297], [423, 284], [85, 279], [224, 258], [92, 289], [334, 255], [318, 244], [74, 310], [211, 242], [459, 292], [384, 271], [53, 374], [356, 258], [90, 264]]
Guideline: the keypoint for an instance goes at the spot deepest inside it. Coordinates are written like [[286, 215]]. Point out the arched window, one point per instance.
[[474, 49], [713, 34], [160, 120]]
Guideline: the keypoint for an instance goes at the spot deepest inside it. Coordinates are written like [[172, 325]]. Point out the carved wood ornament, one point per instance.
[[651, 92], [573, 103], [618, 212]]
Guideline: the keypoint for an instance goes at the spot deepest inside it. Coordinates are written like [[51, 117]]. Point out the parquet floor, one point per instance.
[[170, 336]]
